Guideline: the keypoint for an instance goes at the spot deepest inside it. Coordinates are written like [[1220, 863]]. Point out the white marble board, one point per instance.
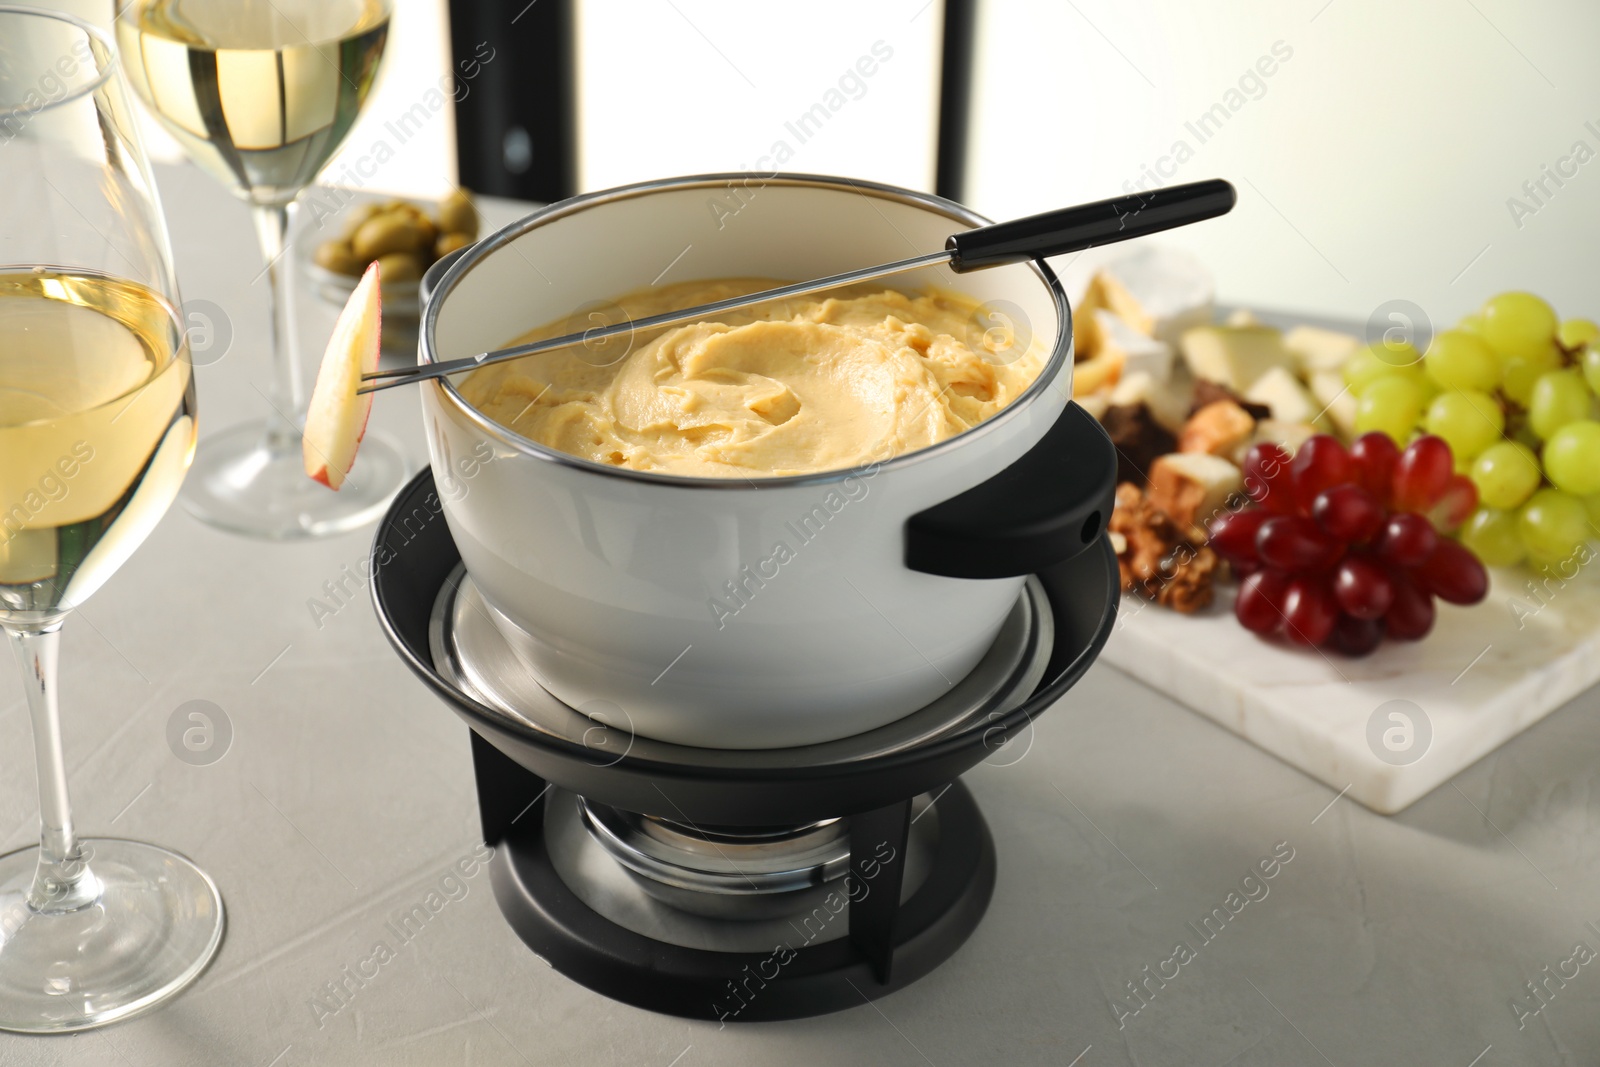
[[1484, 674]]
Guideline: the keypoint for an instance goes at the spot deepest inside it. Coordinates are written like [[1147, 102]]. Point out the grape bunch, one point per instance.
[[1343, 547], [1512, 390]]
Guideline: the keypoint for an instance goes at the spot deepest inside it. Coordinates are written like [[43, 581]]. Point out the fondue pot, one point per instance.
[[763, 612]]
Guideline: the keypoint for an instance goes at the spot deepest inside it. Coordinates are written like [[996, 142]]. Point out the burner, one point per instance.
[[752, 920], [726, 884], [913, 889], [475, 647], [731, 872]]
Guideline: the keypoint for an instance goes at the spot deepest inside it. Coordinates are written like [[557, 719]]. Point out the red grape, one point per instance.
[[1423, 474], [1267, 478], [1320, 463], [1362, 587], [1342, 548], [1294, 543], [1348, 513], [1406, 540], [1259, 605], [1309, 610], [1410, 617], [1233, 534], [1372, 458], [1459, 501], [1357, 637], [1453, 574]]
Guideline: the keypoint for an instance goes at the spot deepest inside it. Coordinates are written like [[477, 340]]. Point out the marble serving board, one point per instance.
[[1389, 728]]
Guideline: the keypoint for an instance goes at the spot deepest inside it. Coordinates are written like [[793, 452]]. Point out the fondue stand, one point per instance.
[[744, 885]]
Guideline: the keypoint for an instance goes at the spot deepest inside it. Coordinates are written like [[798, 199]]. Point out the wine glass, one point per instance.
[[97, 427], [261, 93]]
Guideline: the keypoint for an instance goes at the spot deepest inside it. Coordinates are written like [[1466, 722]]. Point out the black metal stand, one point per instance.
[[890, 944]]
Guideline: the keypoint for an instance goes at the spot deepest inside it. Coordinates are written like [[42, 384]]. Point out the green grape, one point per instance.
[[1472, 324], [1494, 538], [1575, 333], [1381, 361], [1572, 457], [1559, 397], [1468, 420], [1553, 566], [1591, 367], [1518, 324], [1592, 502], [1399, 354], [1458, 360], [1392, 404], [1553, 524], [1519, 374], [1506, 474]]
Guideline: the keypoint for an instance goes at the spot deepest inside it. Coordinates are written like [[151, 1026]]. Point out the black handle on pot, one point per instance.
[[1073, 229], [1046, 507]]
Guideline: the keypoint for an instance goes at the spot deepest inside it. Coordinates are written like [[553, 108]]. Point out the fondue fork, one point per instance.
[[1052, 233]]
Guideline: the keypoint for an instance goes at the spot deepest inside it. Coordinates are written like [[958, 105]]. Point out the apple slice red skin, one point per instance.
[[323, 472]]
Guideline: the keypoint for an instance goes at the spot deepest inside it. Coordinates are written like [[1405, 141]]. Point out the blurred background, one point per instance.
[[1435, 151]]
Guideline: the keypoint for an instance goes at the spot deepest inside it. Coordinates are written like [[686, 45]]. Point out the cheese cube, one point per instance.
[[1281, 391], [1191, 487], [1096, 373], [1315, 349], [1236, 356], [1086, 338], [1168, 401], [1337, 401], [1140, 354]]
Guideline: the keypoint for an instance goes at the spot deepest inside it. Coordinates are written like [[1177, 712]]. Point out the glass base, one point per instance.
[[152, 929], [242, 485]]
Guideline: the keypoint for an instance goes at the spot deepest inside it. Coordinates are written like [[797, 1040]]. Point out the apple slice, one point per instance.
[[337, 418]]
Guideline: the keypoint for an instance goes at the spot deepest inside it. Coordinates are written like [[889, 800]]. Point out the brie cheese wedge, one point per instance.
[[1160, 292]]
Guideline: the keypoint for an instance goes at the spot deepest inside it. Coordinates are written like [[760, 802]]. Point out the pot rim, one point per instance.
[[1060, 351]]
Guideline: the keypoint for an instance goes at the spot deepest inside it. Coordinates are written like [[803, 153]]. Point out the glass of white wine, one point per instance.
[[97, 428], [261, 93]]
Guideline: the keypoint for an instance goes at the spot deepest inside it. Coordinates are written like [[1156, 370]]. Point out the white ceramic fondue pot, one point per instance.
[[734, 613]]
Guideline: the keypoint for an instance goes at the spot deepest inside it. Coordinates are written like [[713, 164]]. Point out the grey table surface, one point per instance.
[[345, 796]]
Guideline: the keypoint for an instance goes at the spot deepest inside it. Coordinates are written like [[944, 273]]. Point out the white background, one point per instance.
[[1376, 163]]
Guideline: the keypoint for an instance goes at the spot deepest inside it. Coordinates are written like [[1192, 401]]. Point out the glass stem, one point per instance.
[[287, 397], [62, 882]]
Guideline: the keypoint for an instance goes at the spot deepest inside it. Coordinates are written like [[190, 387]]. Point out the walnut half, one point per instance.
[[1157, 558]]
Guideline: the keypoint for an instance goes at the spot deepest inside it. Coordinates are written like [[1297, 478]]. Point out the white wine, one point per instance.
[[97, 428], [259, 101]]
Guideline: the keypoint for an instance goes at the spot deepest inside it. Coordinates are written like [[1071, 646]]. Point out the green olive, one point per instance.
[[427, 232], [339, 257], [449, 242], [457, 215], [398, 267], [359, 214], [389, 232]]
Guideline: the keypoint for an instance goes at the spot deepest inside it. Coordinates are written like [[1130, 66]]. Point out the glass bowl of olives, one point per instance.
[[405, 239]]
